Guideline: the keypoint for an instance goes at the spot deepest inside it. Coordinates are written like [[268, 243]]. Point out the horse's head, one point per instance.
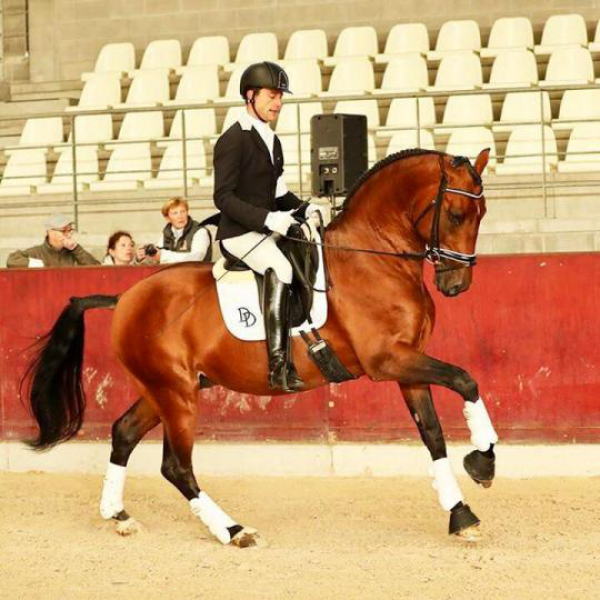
[[450, 223]]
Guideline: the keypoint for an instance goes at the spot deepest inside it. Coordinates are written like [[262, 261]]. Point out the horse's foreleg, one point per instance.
[[410, 367], [177, 468], [127, 431], [420, 404]]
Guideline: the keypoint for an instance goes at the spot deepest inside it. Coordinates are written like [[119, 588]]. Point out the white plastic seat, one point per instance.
[[405, 38], [569, 66], [197, 84], [46, 131], [304, 77], [209, 50], [116, 59], [577, 105], [170, 173], [162, 55], [128, 166], [456, 36], [62, 179], [562, 30], [306, 44], [24, 170], [404, 73], [470, 141], [523, 107], [140, 126], [410, 138], [100, 91], [295, 161], [199, 123], [360, 107], [524, 151], [507, 34], [371, 150], [351, 77], [149, 88], [466, 110], [354, 42], [595, 45], [233, 114], [288, 117], [255, 47], [93, 129], [513, 68], [232, 92], [583, 149], [458, 71], [403, 114]]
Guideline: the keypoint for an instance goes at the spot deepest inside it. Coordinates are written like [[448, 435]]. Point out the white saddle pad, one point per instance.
[[240, 304]]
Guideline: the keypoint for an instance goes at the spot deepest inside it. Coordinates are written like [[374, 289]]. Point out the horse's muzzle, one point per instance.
[[452, 282]]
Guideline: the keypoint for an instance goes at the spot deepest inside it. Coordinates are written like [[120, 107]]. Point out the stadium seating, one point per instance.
[[128, 167], [305, 77], [351, 77], [62, 179], [170, 173], [289, 145], [405, 38], [360, 107], [562, 30], [24, 170], [513, 68], [403, 114], [210, 50], [149, 88], [255, 47], [306, 44], [410, 138], [232, 93], [509, 34], [466, 110], [524, 151], [569, 66], [583, 149], [470, 141], [100, 91], [161, 55], [523, 107], [115, 59], [198, 84], [288, 117], [404, 73], [456, 36], [199, 123], [39, 132], [594, 46], [577, 105], [458, 71], [354, 42]]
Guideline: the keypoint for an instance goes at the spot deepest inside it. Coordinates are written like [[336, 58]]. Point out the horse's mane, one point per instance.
[[384, 162]]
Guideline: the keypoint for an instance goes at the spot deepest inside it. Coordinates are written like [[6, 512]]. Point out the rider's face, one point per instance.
[[267, 104]]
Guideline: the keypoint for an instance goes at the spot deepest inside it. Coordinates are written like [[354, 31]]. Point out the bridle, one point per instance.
[[434, 252]]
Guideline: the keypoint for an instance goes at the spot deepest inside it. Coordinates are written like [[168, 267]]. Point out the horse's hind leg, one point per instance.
[[420, 404], [127, 431], [177, 468]]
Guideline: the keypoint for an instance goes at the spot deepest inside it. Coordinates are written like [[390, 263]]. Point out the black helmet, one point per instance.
[[264, 75]]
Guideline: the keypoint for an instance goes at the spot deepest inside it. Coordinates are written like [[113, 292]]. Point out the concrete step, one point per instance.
[[26, 87], [31, 108]]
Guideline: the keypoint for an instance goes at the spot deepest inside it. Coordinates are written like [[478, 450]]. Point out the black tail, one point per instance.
[[55, 391]]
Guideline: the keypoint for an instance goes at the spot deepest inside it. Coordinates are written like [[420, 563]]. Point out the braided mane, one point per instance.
[[384, 162]]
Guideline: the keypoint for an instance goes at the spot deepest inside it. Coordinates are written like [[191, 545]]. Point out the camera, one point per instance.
[[150, 250]]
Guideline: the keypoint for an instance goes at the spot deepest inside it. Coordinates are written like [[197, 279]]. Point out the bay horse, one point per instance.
[[413, 205]]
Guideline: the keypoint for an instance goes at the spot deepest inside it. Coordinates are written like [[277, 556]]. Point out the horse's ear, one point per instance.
[[482, 160]]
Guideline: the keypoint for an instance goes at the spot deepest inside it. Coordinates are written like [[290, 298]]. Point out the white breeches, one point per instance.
[[260, 255]]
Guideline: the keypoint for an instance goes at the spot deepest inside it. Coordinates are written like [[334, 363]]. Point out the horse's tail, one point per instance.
[[55, 392]]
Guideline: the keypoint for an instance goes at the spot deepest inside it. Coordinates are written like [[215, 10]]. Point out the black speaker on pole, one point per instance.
[[338, 152]]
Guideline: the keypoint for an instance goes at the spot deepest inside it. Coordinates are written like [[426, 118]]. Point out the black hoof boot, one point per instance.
[[461, 517], [481, 466]]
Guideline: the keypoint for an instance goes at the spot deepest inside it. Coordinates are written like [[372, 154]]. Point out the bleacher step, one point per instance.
[[27, 108]]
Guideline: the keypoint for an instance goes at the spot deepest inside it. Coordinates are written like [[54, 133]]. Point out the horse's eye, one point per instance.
[[455, 217]]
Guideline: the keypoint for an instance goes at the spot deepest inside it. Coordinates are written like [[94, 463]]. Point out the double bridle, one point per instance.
[[434, 252]]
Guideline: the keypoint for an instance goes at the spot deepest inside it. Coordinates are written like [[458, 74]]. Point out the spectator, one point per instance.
[[58, 250], [182, 239], [120, 250]]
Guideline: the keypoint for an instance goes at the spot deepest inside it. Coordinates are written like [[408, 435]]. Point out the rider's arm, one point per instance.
[[227, 161], [200, 244]]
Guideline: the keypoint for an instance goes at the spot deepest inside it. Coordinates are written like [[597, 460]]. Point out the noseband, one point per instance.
[[434, 252]]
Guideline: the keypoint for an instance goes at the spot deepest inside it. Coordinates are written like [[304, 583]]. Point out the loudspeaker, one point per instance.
[[338, 152]]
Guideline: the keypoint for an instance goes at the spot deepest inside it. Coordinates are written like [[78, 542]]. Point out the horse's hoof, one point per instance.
[[247, 538], [462, 520], [128, 527], [481, 467]]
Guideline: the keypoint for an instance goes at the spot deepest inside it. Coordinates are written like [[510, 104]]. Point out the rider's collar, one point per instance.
[[247, 122]]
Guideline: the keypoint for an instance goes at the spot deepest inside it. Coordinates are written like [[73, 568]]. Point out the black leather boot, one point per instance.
[[275, 310]]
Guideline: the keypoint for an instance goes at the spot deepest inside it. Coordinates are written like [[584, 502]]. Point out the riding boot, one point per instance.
[[275, 310], [295, 384]]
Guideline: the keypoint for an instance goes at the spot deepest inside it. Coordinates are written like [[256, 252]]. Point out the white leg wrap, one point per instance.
[[212, 516], [444, 482], [482, 431], [111, 502]]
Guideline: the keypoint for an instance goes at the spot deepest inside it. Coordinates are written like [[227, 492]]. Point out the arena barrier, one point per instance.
[[528, 332]]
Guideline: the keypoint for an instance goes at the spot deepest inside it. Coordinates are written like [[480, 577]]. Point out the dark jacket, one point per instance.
[[184, 243], [51, 256], [246, 180]]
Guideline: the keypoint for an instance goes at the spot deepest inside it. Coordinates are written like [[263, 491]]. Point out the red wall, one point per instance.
[[528, 331]]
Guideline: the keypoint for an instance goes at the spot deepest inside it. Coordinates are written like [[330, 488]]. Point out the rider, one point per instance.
[[256, 206]]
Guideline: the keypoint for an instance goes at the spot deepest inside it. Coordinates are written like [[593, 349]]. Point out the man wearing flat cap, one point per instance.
[[58, 250]]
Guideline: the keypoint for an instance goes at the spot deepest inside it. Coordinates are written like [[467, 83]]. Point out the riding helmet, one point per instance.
[[264, 75]]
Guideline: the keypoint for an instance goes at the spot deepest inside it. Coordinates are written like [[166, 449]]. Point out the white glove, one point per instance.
[[280, 221], [313, 211], [35, 263]]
